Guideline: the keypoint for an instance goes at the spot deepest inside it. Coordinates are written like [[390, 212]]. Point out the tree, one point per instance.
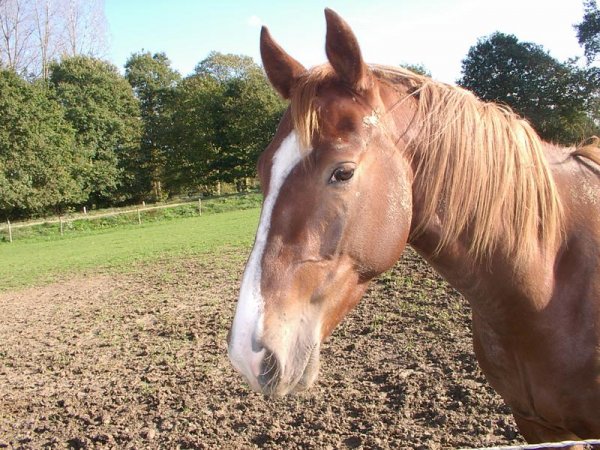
[[38, 151], [417, 68], [226, 115], [100, 105], [154, 83], [85, 27], [46, 21], [557, 98], [245, 118], [251, 112], [35, 32], [588, 31], [193, 134], [227, 67], [16, 28]]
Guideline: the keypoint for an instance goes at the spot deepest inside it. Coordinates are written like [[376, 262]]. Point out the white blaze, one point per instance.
[[248, 321]]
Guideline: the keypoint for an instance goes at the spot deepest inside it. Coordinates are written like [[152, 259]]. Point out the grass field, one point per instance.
[[102, 219], [33, 261]]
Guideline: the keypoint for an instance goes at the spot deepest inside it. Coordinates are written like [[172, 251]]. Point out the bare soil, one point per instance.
[[139, 360]]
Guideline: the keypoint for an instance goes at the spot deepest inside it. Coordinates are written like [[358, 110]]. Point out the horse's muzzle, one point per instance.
[[266, 373]]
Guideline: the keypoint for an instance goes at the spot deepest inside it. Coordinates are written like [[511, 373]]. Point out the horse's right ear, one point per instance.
[[281, 68]]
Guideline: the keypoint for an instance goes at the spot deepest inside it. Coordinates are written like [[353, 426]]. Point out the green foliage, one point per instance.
[[417, 68], [588, 31], [92, 136], [193, 134], [227, 67], [154, 83], [226, 115], [101, 107], [38, 151], [557, 98], [251, 112]]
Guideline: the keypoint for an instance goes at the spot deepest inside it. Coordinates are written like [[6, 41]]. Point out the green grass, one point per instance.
[[77, 224], [38, 260]]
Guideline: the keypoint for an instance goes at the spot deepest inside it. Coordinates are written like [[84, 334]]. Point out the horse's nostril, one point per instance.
[[269, 371], [257, 346]]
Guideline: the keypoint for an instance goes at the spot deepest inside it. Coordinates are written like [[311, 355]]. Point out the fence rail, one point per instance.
[[61, 220]]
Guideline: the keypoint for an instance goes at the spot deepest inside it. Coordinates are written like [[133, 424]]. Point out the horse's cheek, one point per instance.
[[378, 245], [383, 235]]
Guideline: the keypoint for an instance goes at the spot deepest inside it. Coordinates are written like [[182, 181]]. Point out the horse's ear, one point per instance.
[[281, 68], [344, 53]]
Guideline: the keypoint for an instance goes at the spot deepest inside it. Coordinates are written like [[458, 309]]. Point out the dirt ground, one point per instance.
[[139, 360]]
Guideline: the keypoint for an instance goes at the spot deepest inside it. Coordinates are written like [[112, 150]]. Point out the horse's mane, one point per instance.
[[479, 166]]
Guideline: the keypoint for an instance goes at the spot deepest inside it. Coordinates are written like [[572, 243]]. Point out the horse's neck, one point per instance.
[[495, 289], [498, 283], [505, 294]]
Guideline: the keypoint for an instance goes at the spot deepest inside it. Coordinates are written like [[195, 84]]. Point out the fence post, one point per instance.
[[200, 206], [85, 210], [60, 219], [139, 216], [9, 231]]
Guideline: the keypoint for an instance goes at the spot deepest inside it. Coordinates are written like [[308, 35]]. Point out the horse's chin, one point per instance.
[[302, 382], [311, 371]]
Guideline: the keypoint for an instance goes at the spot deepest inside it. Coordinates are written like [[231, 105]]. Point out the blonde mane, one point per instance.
[[304, 112], [479, 167]]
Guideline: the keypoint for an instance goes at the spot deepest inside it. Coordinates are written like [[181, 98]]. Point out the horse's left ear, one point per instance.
[[344, 53]]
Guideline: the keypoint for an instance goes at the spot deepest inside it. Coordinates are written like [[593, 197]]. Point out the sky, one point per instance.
[[434, 33]]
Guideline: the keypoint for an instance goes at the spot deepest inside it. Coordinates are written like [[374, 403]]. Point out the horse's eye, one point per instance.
[[341, 174]]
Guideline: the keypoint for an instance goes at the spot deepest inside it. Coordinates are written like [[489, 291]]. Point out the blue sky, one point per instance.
[[435, 33]]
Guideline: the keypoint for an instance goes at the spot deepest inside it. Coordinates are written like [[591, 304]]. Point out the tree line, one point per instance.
[[90, 136], [74, 131]]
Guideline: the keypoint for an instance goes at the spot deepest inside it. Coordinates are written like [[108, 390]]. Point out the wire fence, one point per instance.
[[589, 443], [62, 221]]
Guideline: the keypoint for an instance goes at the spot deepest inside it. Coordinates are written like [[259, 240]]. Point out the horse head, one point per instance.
[[337, 210]]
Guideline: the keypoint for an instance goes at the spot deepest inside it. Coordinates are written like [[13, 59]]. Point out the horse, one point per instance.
[[370, 158]]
